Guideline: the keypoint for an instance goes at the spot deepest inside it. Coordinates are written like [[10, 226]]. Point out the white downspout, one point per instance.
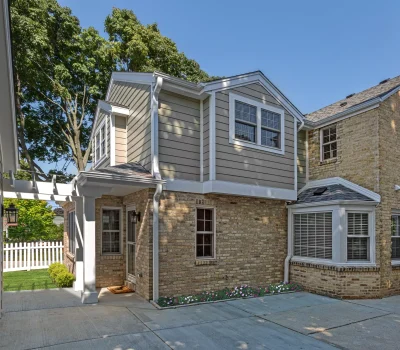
[[290, 247], [156, 173]]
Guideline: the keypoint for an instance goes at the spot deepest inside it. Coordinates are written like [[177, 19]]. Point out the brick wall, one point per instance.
[[251, 243]]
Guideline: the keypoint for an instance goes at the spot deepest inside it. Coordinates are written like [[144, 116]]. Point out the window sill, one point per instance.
[[249, 144], [200, 262], [395, 262], [328, 161], [111, 256]]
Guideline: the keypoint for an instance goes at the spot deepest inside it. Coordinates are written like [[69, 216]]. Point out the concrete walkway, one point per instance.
[[55, 319]]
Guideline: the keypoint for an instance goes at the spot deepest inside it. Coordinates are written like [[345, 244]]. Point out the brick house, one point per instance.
[[204, 186]]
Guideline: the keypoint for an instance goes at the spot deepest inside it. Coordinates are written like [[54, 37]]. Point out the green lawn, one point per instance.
[[27, 280]]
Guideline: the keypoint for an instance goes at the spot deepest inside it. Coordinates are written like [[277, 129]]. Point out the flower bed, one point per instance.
[[244, 291]]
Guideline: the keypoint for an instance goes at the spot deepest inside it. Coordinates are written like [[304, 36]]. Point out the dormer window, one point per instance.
[[328, 143], [100, 143], [255, 125]]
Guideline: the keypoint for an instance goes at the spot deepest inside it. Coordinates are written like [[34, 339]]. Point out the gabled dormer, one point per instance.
[[234, 136]]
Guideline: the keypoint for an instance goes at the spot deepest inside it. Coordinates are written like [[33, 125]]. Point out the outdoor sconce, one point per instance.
[[12, 215], [135, 217]]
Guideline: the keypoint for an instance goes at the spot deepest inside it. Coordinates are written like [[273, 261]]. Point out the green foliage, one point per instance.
[[27, 280], [35, 221], [244, 291], [61, 70], [55, 266], [64, 279]]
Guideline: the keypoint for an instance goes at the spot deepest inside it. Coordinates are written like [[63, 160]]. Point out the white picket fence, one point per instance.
[[31, 255]]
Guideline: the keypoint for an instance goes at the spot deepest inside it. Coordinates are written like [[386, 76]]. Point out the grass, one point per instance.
[[27, 280], [243, 291]]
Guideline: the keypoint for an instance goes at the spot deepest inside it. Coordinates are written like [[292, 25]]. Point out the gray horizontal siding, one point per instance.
[[138, 129], [179, 136], [301, 159], [246, 165]]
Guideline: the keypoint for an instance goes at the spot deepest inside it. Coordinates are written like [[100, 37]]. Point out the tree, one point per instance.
[[35, 221], [61, 70]]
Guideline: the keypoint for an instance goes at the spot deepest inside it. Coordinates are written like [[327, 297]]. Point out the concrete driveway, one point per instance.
[[55, 319]]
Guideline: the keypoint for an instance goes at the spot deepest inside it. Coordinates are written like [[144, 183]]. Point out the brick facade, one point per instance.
[[368, 154]]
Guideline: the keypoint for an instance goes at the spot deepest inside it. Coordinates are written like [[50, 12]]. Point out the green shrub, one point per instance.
[[55, 269], [64, 279]]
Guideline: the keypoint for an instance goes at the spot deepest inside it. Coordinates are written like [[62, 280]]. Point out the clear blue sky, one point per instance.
[[315, 51]]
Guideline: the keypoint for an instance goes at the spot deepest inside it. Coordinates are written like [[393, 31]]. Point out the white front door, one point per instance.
[[131, 246]]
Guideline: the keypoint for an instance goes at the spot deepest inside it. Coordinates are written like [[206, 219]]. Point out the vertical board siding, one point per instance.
[[120, 140], [206, 139], [138, 129], [246, 165], [301, 159], [179, 136]]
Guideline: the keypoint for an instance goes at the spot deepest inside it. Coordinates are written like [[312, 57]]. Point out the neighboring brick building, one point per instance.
[[204, 186]]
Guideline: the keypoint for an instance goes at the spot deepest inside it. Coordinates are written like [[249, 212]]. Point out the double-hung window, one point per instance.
[[255, 125], [205, 233], [396, 236], [313, 235], [71, 232], [328, 143], [111, 231], [100, 143], [358, 239]]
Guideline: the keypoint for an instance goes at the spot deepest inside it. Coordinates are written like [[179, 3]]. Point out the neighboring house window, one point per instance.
[[111, 231], [255, 125], [357, 236], [100, 142], [396, 236], [71, 232], [313, 235], [328, 143], [205, 235]]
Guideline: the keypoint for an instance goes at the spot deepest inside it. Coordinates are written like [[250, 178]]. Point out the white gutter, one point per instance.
[[290, 248], [156, 173]]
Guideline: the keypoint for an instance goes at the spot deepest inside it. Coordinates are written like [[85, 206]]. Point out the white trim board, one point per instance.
[[230, 188], [340, 181]]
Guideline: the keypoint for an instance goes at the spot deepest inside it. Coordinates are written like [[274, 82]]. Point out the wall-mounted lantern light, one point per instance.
[[12, 215], [135, 217]]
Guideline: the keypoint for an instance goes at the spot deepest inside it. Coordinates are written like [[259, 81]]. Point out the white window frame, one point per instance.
[[257, 145], [394, 213], [322, 144], [370, 233], [339, 233], [99, 132], [120, 229], [214, 225]]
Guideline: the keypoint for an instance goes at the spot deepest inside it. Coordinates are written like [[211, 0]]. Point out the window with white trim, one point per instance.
[[205, 235], [256, 125], [313, 235], [71, 232], [396, 236], [111, 231], [100, 142], [328, 143], [357, 236]]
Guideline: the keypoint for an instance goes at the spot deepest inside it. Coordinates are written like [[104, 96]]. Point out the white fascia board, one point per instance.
[[335, 202], [256, 77], [99, 177], [133, 77], [110, 108], [340, 181], [230, 188]]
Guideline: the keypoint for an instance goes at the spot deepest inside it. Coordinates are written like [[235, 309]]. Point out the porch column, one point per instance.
[[78, 284], [89, 294]]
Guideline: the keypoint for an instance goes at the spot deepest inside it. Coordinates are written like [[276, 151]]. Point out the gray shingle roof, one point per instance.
[[333, 192], [125, 169], [363, 96]]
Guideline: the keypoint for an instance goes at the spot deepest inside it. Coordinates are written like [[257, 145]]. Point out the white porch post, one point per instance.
[[78, 284], [89, 294]]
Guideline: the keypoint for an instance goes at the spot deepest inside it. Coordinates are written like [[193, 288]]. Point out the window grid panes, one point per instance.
[[396, 237], [270, 128], [205, 233], [100, 141], [111, 231], [357, 236], [71, 232], [329, 143], [313, 235], [246, 121]]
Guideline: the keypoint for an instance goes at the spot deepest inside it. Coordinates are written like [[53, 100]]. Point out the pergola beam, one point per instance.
[[37, 187], [40, 196]]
